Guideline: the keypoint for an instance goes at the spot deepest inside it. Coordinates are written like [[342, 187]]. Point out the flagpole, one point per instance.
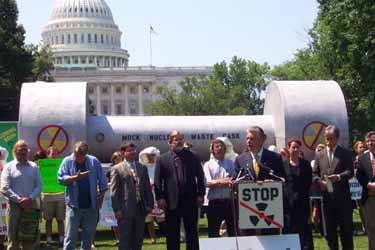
[[150, 46]]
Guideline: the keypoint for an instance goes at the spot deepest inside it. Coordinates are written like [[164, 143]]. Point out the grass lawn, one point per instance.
[[104, 239]]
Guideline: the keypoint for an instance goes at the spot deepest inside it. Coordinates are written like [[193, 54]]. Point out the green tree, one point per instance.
[[18, 63], [343, 39], [304, 66], [15, 59], [42, 63], [233, 89], [342, 48]]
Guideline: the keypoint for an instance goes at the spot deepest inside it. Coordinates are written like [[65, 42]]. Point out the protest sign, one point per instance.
[[48, 171], [107, 217], [260, 205], [8, 137], [355, 189], [269, 242]]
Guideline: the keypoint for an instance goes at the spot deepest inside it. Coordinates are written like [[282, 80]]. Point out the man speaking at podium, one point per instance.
[[258, 164]]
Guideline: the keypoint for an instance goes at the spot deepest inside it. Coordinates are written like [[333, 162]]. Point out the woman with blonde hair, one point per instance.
[[359, 149]]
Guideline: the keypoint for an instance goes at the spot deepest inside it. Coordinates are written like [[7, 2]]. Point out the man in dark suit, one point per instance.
[[131, 198], [259, 164], [366, 177], [333, 167], [179, 190]]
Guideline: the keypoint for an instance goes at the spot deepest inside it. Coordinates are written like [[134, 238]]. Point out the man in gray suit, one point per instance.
[[131, 198], [333, 167]]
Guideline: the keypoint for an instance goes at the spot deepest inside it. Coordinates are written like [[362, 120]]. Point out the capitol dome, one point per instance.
[[90, 9], [83, 34]]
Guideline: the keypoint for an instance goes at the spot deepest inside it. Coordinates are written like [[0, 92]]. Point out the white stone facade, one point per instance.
[[86, 46], [127, 92]]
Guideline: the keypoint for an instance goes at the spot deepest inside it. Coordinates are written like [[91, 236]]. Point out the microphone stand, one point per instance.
[[232, 185], [271, 173]]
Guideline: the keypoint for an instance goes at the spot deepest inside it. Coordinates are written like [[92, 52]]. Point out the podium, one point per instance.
[[260, 205], [259, 215]]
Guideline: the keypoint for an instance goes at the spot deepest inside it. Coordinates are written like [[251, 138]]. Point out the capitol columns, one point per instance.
[[140, 99], [112, 99], [98, 108], [126, 99], [153, 91]]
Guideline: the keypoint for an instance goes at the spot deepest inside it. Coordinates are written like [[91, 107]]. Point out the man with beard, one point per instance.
[[179, 190]]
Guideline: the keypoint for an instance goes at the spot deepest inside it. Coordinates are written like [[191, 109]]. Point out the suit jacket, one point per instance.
[[165, 178], [364, 173], [269, 161], [298, 191], [123, 189], [342, 164]]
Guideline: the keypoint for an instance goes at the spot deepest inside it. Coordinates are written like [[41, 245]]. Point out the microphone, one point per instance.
[[238, 175], [270, 172], [249, 174]]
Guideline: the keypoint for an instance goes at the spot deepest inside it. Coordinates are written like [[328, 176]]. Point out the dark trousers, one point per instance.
[[131, 230], [219, 210], [300, 222], [304, 230], [188, 211], [338, 213]]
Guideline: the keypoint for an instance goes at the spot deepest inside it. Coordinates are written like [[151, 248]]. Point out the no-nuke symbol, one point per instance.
[[260, 205]]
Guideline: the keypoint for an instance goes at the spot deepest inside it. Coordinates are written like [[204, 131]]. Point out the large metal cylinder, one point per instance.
[[106, 133], [57, 114], [302, 109]]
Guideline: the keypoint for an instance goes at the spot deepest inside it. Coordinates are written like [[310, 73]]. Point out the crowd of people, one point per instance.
[[169, 188]]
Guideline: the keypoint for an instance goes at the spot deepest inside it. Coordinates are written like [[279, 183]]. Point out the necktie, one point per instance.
[[136, 179], [256, 165], [373, 167], [179, 173], [330, 154]]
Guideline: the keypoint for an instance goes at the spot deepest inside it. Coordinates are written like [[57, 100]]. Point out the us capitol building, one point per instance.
[[86, 46]]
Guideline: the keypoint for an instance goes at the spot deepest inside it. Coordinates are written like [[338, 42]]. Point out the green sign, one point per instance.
[[8, 137], [48, 171], [28, 224]]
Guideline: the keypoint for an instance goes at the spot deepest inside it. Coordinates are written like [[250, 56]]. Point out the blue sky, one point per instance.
[[198, 33]]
